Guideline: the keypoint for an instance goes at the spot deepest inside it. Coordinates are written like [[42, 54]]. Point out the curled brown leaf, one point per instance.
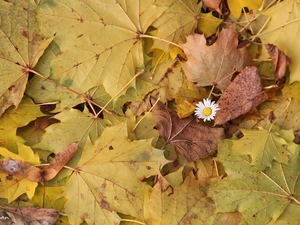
[[23, 169], [280, 60]]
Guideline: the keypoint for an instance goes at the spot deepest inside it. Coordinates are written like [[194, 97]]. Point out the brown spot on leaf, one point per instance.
[[104, 205], [25, 33], [110, 148], [11, 87], [9, 177]]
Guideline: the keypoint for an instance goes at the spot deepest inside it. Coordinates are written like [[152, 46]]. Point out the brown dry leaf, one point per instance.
[[212, 4], [193, 140], [59, 161], [20, 168], [25, 170], [215, 64], [280, 60], [243, 94], [34, 216]]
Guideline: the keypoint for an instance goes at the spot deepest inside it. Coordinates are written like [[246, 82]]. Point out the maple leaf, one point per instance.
[[284, 111], [264, 195], [236, 6], [178, 21], [264, 145], [186, 204], [214, 65], [193, 140], [74, 126], [98, 185], [238, 98], [96, 44], [22, 46], [284, 18]]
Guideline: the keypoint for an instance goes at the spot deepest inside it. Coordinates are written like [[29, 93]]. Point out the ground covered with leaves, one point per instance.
[[97, 102]]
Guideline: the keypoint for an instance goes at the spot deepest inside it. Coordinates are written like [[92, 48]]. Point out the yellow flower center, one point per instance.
[[207, 111]]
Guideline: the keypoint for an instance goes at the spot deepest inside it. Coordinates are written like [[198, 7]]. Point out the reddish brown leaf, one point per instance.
[[243, 94], [193, 140], [280, 61], [31, 215], [215, 64], [59, 161]]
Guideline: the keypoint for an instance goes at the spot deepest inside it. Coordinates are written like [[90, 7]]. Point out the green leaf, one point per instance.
[[74, 126], [264, 145], [260, 196]]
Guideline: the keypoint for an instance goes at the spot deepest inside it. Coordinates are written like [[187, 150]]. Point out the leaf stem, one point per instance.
[[71, 90], [275, 28], [160, 39], [145, 114], [103, 108], [133, 221], [289, 102]]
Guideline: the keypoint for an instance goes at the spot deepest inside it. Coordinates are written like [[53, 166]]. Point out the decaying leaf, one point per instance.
[[244, 93], [23, 169], [214, 65], [258, 195], [34, 216], [180, 205], [186, 204], [59, 161], [98, 44], [280, 61], [21, 48], [193, 140], [97, 187]]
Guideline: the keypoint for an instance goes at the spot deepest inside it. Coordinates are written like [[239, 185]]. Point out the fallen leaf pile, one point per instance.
[[97, 102]]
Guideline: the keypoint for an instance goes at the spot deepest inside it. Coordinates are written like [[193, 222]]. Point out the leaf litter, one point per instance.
[[85, 65]]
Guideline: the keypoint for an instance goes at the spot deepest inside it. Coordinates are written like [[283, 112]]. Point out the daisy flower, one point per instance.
[[206, 110]]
